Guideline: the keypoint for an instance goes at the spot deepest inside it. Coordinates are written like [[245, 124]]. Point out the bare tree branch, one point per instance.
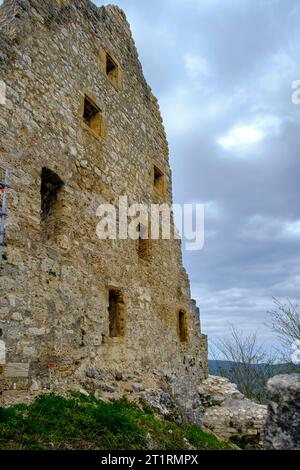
[[285, 320], [250, 365]]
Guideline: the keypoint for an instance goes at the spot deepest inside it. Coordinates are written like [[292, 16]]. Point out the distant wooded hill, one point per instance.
[[222, 368]]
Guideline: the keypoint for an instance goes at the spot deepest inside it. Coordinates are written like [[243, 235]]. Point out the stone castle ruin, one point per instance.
[[79, 127]]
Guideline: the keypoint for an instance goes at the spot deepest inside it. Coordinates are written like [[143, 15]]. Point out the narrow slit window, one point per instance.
[[92, 117], [116, 311], [51, 204], [183, 326], [111, 68], [158, 180], [144, 251]]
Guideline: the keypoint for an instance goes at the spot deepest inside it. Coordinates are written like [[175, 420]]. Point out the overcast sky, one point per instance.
[[222, 71]]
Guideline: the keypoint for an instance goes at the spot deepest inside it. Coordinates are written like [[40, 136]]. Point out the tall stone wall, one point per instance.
[[54, 289]]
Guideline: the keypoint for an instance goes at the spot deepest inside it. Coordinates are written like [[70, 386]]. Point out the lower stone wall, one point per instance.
[[229, 414], [282, 430], [164, 393]]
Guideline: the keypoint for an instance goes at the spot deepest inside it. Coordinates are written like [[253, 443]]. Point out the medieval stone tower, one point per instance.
[[79, 126]]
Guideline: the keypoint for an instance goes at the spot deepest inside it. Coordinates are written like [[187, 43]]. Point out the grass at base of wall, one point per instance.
[[80, 422]]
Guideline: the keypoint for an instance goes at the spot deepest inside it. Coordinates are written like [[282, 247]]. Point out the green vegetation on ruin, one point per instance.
[[81, 422]]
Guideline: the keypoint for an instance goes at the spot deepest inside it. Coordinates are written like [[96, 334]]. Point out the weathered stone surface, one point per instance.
[[2, 352], [138, 387], [160, 400], [92, 373], [16, 370], [57, 274], [229, 414], [118, 376], [34, 386], [282, 430], [107, 388]]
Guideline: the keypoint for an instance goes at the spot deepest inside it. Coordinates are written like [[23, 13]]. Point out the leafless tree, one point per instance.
[[285, 320], [247, 363]]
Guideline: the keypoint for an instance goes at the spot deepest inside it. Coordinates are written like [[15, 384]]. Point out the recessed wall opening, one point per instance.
[[92, 117], [111, 66], [182, 326], [144, 250], [51, 203], [158, 180], [111, 69], [116, 310]]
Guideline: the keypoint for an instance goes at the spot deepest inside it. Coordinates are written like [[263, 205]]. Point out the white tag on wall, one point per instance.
[[2, 93], [2, 352]]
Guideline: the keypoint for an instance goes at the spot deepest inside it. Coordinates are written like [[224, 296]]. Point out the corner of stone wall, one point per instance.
[[118, 15], [204, 354], [282, 429], [230, 415], [11, 13]]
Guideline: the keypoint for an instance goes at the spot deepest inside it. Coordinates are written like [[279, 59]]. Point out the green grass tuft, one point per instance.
[[80, 422]]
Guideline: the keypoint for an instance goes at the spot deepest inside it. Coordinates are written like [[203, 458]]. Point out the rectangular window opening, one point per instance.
[[116, 313], [92, 117], [111, 69], [111, 66], [144, 250], [159, 180], [51, 204], [183, 326]]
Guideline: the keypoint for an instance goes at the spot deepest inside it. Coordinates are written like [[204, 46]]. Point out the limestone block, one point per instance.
[[17, 316], [282, 429], [37, 331], [228, 413], [16, 369]]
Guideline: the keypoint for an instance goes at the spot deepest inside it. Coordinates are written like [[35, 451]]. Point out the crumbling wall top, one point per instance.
[[14, 11]]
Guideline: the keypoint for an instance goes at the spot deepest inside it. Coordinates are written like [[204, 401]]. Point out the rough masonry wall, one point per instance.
[[54, 293], [282, 429]]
